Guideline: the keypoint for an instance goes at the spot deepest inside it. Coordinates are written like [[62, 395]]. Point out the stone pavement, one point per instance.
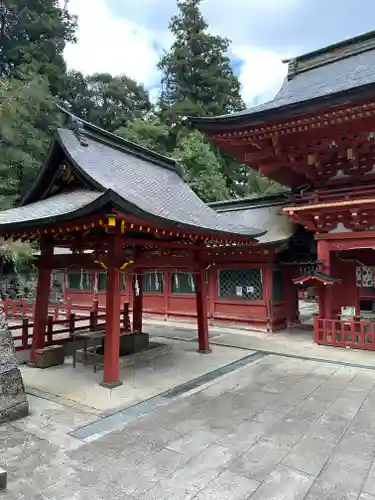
[[277, 428]]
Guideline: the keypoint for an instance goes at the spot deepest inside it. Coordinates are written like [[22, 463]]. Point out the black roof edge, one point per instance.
[[266, 200], [126, 206], [283, 112], [111, 198], [337, 45], [125, 145], [92, 207]]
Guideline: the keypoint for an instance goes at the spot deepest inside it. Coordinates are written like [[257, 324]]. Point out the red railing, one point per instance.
[[61, 330], [335, 194], [345, 333]]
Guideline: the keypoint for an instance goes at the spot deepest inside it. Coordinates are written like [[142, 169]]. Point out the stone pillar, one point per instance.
[[13, 402]]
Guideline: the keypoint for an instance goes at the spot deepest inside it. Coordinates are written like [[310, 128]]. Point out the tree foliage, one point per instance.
[[35, 32], [201, 167], [105, 100], [28, 119], [149, 132], [198, 79]]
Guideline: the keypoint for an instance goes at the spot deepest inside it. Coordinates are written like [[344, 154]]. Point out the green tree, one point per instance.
[[150, 133], [28, 119], [35, 32], [197, 77], [202, 167], [198, 80], [105, 100]]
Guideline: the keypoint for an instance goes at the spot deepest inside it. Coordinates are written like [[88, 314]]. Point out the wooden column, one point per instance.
[[137, 300], [113, 311], [324, 292], [42, 298], [201, 298]]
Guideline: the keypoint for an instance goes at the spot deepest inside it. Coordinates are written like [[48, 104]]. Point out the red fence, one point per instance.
[[59, 330], [345, 333]]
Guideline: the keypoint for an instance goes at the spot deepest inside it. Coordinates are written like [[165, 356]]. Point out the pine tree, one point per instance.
[[198, 80], [197, 77]]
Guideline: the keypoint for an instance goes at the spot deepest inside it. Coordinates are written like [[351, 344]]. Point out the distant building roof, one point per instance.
[[110, 171], [264, 211], [328, 76]]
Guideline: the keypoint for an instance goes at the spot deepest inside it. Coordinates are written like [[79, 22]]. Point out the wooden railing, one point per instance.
[[61, 330], [335, 194], [345, 333]]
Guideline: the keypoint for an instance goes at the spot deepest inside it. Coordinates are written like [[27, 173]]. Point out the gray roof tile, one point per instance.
[[146, 185], [64, 204]]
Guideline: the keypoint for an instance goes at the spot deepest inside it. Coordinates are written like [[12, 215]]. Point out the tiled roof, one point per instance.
[[64, 205], [264, 212], [119, 173], [335, 71]]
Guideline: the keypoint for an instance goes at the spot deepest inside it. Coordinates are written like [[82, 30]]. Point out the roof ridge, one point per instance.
[[113, 140], [330, 53]]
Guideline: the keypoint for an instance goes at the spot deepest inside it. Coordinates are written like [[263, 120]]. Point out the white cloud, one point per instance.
[[117, 45], [110, 44], [262, 73]]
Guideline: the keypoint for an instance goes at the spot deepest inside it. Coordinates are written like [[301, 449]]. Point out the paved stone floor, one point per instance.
[[279, 428]]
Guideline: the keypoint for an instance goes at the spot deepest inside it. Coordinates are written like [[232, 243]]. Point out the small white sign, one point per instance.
[[239, 291], [249, 289]]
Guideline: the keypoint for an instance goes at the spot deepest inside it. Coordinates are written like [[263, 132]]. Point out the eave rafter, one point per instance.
[[89, 232]]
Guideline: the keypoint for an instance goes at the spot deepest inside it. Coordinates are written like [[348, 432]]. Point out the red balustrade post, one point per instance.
[[25, 333], [72, 321], [125, 317], [50, 330]]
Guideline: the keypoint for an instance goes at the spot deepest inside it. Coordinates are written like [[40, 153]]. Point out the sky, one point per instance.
[[128, 36]]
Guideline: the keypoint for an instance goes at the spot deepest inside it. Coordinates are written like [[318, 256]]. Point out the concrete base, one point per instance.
[[13, 402], [111, 385]]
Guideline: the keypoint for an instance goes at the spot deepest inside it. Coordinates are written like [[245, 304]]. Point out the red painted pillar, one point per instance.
[[113, 312], [324, 292], [137, 300], [42, 298], [201, 298]]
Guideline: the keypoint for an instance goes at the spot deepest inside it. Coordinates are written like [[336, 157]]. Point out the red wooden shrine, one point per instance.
[[317, 137], [120, 208]]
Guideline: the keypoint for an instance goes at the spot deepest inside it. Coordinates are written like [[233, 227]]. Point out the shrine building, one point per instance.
[[122, 224], [317, 137]]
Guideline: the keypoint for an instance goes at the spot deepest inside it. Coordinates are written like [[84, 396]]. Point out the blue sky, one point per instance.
[[127, 36]]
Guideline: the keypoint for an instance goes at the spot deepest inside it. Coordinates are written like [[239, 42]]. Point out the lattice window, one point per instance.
[[368, 277], [183, 283], [277, 285], [240, 284], [80, 280], [153, 282], [102, 282]]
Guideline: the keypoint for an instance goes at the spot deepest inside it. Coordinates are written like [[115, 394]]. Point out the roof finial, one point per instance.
[[77, 126]]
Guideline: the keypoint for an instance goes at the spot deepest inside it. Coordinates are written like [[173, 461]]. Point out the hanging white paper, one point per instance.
[[249, 289], [239, 291]]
